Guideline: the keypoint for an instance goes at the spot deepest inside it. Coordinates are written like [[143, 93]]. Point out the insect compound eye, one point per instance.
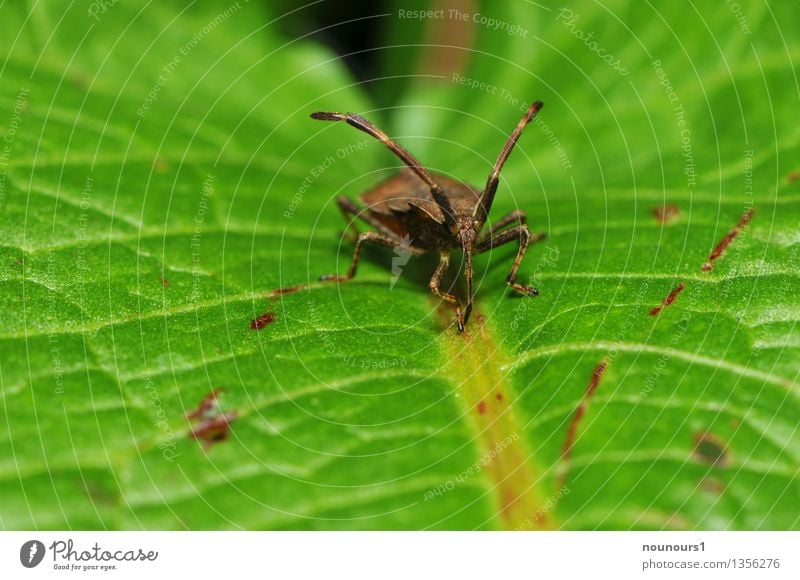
[[476, 225]]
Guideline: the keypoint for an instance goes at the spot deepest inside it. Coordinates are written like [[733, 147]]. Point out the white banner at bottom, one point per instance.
[[400, 555]]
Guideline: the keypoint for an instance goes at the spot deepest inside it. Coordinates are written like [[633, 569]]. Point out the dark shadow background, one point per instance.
[[349, 28]]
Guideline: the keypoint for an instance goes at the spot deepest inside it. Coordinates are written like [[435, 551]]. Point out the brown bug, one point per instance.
[[441, 214]]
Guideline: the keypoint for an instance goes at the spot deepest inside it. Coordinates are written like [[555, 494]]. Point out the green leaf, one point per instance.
[[160, 177]]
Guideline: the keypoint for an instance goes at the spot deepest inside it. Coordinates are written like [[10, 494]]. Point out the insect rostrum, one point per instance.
[[437, 213]]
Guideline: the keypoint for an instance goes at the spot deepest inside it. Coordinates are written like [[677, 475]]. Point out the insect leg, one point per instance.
[[469, 274], [351, 211], [516, 216], [436, 279], [373, 238], [525, 237]]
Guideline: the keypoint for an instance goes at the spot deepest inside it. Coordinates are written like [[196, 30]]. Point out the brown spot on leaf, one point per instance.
[[711, 449], [541, 518], [666, 213], [669, 299], [597, 374], [509, 498], [729, 237], [481, 407], [207, 405], [580, 411], [164, 282], [269, 317], [262, 321], [792, 176], [284, 291], [100, 494], [211, 424], [712, 485], [214, 430]]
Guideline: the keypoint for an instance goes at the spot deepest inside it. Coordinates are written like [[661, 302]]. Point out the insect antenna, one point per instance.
[[412, 162], [481, 211]]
